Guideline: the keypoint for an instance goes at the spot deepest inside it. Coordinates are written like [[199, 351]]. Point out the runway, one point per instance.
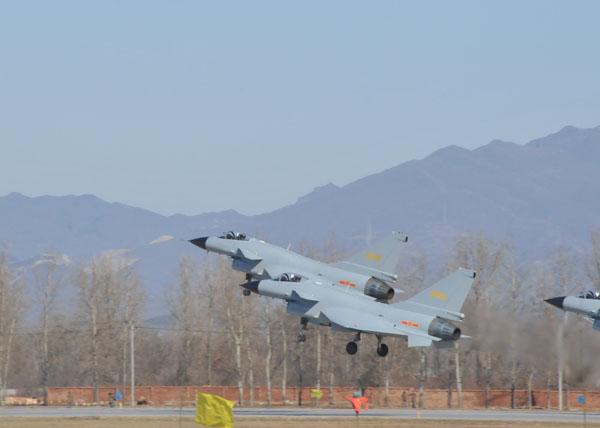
[[306, 412]]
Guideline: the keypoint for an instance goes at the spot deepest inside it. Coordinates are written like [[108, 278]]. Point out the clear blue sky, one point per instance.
[[200, 106]]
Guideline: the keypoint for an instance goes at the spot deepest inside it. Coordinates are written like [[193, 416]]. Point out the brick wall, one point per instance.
[[397, 397]]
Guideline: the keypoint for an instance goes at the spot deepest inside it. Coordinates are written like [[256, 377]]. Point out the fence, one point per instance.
[[396, 397]]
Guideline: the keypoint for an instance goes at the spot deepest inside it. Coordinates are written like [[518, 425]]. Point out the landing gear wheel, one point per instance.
[[301, 338], [246, 292], [352, 348], [382, 350]]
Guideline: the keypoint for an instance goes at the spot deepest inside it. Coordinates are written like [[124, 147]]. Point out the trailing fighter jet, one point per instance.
[[352, 295], [586, 303]]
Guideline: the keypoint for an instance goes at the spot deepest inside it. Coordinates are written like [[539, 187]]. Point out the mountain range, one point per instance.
[[537, 196]]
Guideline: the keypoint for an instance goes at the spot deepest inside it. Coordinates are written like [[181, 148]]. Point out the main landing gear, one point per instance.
[[382, 349], [352, 346]]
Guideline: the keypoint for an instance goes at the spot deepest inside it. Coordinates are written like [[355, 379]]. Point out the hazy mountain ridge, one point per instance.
[[536, 195], [525, 193]]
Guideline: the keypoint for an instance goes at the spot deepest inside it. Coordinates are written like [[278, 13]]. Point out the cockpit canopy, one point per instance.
[[234, 235], [589, 294]]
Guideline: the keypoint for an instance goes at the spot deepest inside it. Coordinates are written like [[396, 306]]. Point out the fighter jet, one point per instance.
[[351, 296], [586, 303]]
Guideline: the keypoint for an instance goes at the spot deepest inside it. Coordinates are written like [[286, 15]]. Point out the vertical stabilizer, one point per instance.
[[382, 256], [449, 293]]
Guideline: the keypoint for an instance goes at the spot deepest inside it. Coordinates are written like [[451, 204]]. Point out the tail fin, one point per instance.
[[382, 257], [448, 294]]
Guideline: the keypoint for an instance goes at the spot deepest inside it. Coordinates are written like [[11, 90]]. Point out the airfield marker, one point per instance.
[[581, 400]]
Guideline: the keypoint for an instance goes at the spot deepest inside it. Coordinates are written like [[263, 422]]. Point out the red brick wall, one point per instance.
[[398, 397]]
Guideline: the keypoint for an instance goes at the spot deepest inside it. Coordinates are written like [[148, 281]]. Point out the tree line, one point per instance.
[[71, 327]]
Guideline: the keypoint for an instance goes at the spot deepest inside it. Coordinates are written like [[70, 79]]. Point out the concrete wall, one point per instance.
[[397, 397]]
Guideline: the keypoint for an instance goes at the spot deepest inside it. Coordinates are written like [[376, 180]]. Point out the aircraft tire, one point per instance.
[[382, 350], [352, 348]]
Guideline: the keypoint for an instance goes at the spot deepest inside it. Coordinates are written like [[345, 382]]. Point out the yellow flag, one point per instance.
[[214, 411]]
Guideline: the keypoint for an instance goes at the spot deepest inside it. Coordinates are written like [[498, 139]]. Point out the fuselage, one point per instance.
[[262, 260], [588, 307], [308, 298]]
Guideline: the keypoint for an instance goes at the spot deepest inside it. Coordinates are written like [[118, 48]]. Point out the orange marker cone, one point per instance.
[[358, 402]]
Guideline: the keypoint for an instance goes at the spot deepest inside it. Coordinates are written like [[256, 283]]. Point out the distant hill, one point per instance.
[[538, 196]]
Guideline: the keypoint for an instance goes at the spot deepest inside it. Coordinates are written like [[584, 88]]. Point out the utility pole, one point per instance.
[[124, 378], [561, 357], [458, 375], [132, 354]]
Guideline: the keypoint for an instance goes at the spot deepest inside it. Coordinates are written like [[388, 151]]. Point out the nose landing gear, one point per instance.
[[246, 292], [301, 335]]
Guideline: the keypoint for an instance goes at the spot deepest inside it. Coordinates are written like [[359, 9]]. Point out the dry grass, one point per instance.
[[363, 422]]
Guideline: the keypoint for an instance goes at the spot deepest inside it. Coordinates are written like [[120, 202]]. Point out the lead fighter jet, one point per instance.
[[352, 295], [586, 304]]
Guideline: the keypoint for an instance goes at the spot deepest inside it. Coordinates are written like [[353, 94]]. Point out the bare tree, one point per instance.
[[514, 288], [422, 376], [109, 296], [563, 273], [214, 321], [11, 313], [300, 370], [210, 290], [593, 263], [48, 281], [458, 377], [185, 308], [318, 365], [269, 336], [250, 351], [486, 258], [331, 363], [284, 351], [237, 331]]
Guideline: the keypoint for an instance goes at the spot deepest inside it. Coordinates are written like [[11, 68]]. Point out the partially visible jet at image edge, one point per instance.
[[586, 304]]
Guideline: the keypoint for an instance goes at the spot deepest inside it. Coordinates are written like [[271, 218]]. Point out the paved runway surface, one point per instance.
[[304, 412]]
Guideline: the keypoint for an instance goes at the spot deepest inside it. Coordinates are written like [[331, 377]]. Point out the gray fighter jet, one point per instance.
[[586, 304], [352, 295]]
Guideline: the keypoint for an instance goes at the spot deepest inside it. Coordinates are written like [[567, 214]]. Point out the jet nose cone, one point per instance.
[[556, 301], [251, 285], [200, 242]]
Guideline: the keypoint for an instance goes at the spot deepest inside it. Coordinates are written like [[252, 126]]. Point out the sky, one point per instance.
[[191, 106]]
